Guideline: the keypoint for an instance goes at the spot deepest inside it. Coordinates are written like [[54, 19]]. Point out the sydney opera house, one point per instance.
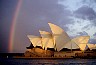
[[58, 44]]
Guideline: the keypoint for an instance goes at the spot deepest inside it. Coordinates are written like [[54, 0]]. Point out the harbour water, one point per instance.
[[11, 61]]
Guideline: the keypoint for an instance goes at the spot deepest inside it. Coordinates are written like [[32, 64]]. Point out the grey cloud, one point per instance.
[[89, 1], [94, 34], [85, 12], [92, 41], [87, 27], [82, 33], [94, 22]]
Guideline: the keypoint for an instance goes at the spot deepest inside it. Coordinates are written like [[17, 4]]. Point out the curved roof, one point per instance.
[[81, 41], [91, 46], [71, 45], [82, 46], [47, 39], [60, 36], [35, 40]]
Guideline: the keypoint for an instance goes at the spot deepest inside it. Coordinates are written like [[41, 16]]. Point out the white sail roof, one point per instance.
[[71, 45], [81, 41], [82, 46], [91, 46], [95, 44], [35, 40], [59, 35], [47, 39], [39, 43]]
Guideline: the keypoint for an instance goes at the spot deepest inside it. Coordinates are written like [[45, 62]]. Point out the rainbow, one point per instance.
[[13, 25]]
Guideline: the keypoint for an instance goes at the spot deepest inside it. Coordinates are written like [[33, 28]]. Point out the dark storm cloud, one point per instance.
[[34, 15], [82, 33], [7, 8], [85, 12], [34, 12], [39, 13], [48, 10]]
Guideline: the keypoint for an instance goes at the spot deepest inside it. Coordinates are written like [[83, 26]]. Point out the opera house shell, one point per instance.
[[58, 39]]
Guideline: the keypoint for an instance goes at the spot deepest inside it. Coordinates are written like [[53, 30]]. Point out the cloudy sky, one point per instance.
[[76, 17]]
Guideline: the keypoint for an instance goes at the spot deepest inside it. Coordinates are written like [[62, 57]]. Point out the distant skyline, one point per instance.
[[76, 17]]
